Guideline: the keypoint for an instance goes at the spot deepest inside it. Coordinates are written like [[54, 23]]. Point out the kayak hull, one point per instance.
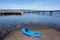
[[31, 33]]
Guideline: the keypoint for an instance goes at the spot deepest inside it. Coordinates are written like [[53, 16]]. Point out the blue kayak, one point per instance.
[[31, 33]]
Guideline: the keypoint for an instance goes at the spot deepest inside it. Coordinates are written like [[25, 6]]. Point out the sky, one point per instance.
[[30, 4]]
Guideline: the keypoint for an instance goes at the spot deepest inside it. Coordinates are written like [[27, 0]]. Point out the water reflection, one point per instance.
[[9, 23]]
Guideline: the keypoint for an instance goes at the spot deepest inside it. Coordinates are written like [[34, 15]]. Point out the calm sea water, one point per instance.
[[11, 22]]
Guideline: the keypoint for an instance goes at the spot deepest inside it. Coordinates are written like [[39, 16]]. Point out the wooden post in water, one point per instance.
[[0, 14], [38, 12], [50, 13], [43, 13], [3, 13]]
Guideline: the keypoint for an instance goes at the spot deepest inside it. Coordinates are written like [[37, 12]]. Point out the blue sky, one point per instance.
[[30, 4]]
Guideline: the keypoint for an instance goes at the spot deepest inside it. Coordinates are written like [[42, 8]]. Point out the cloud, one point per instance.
[[37, 5], [34, 5]]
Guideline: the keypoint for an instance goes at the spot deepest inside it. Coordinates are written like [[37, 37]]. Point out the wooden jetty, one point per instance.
[[21, 12], [10, 12]]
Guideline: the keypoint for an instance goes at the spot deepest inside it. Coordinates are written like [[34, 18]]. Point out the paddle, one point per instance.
[[32, 37]]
